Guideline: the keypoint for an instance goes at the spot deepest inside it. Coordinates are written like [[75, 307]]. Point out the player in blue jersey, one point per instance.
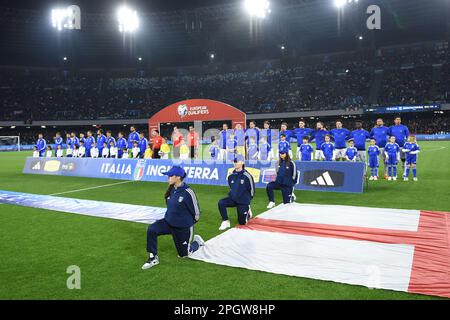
[[58, 141], [252, 132], [327, 149], [267, 133], [392, 151], [89, 143], [132, 137], [223, 137], [319, 136], [287, 133], [252, 149], [142, 144], [69, 146], [101, 140], [351, 152], [401, 134], [214, 150], [265, 150], [359, 136], [41, 145], [411, 149], [109, 139], [75, 140], [301, 132], [340, 136], [239, 136], [284, 145], [305, 151], [231, 147], [381, 133], [374, 153], [121, 145]]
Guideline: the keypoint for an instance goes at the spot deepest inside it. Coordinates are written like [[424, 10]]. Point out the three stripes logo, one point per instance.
[[321, 178], [36, 166]]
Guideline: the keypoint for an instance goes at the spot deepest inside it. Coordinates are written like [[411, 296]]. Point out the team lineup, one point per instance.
[[387, 145]]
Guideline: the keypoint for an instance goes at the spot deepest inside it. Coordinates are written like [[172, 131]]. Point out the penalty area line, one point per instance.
[[90, 188]]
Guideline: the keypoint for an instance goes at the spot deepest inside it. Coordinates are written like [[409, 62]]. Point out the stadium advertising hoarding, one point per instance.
[[403, 108], [315, 176]]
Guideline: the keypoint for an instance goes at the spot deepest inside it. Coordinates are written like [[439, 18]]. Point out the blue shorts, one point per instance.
[[411, 160], [392, 160], [373, 162]]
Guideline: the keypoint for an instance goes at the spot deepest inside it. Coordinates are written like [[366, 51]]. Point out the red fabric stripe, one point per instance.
[[431, 262]]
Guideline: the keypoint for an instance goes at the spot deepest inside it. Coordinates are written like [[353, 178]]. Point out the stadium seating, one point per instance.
[[409, 76]]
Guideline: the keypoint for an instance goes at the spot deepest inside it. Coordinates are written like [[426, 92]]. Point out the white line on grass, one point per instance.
[[90, 188], [436, 149]]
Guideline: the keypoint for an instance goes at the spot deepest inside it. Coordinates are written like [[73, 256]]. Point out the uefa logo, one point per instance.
[[182, 110]]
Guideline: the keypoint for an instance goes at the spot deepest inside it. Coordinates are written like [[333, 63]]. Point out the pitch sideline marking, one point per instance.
[[90, 188]]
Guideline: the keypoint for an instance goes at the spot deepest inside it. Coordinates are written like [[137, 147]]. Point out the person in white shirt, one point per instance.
[[112, 150], [135, 151], [105, 151], [81, 150], [59, 151], [49, 152], [125, 153], [94, 151], [75, 152], [35, 152]]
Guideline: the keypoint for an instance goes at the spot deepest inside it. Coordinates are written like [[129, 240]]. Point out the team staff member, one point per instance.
[[193, 142], [242, 191], [157, 142], [285, 180], [181, 215]]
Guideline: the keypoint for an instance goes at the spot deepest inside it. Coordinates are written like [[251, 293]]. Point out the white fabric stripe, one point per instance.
[[371, 264], [294, 172], [252, 183], [195, 202], [101, 209], [352, 216]]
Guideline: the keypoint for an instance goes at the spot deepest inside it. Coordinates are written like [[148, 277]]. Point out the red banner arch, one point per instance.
[[196, 110]]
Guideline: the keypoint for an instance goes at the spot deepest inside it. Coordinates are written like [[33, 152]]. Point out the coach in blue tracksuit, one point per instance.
[[242, 191], [285, 180], [181, 215]]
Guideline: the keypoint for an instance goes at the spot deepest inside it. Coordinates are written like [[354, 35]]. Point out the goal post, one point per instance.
[[9, 143]]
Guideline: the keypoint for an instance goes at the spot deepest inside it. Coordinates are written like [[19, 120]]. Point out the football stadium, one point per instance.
[[225, 150]]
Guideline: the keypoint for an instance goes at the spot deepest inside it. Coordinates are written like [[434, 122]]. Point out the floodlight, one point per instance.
[[340, 3], [257, 8], [128, 19]]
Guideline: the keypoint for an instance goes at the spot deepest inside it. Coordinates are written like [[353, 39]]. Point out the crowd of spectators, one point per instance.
[[346, 81]]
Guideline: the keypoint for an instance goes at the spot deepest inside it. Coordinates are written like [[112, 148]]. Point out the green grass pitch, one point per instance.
[[38, 245]]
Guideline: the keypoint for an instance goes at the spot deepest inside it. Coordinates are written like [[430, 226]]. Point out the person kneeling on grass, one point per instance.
[[242, 191], [181, 215], [285, 180]]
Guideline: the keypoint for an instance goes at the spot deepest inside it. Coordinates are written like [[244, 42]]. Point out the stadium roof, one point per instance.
[[186, 32]]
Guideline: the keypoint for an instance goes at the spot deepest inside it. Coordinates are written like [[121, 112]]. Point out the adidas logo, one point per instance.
[[37, 166], [323, 180]]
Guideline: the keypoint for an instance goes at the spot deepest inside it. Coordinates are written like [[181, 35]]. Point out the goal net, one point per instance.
[[9, 143]]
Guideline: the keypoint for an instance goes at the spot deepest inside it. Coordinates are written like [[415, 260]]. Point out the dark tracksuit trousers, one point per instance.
[[181, 237], [286, 191], [242, 210]]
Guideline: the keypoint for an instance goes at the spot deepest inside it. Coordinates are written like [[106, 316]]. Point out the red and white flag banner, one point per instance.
[[403, 250]]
